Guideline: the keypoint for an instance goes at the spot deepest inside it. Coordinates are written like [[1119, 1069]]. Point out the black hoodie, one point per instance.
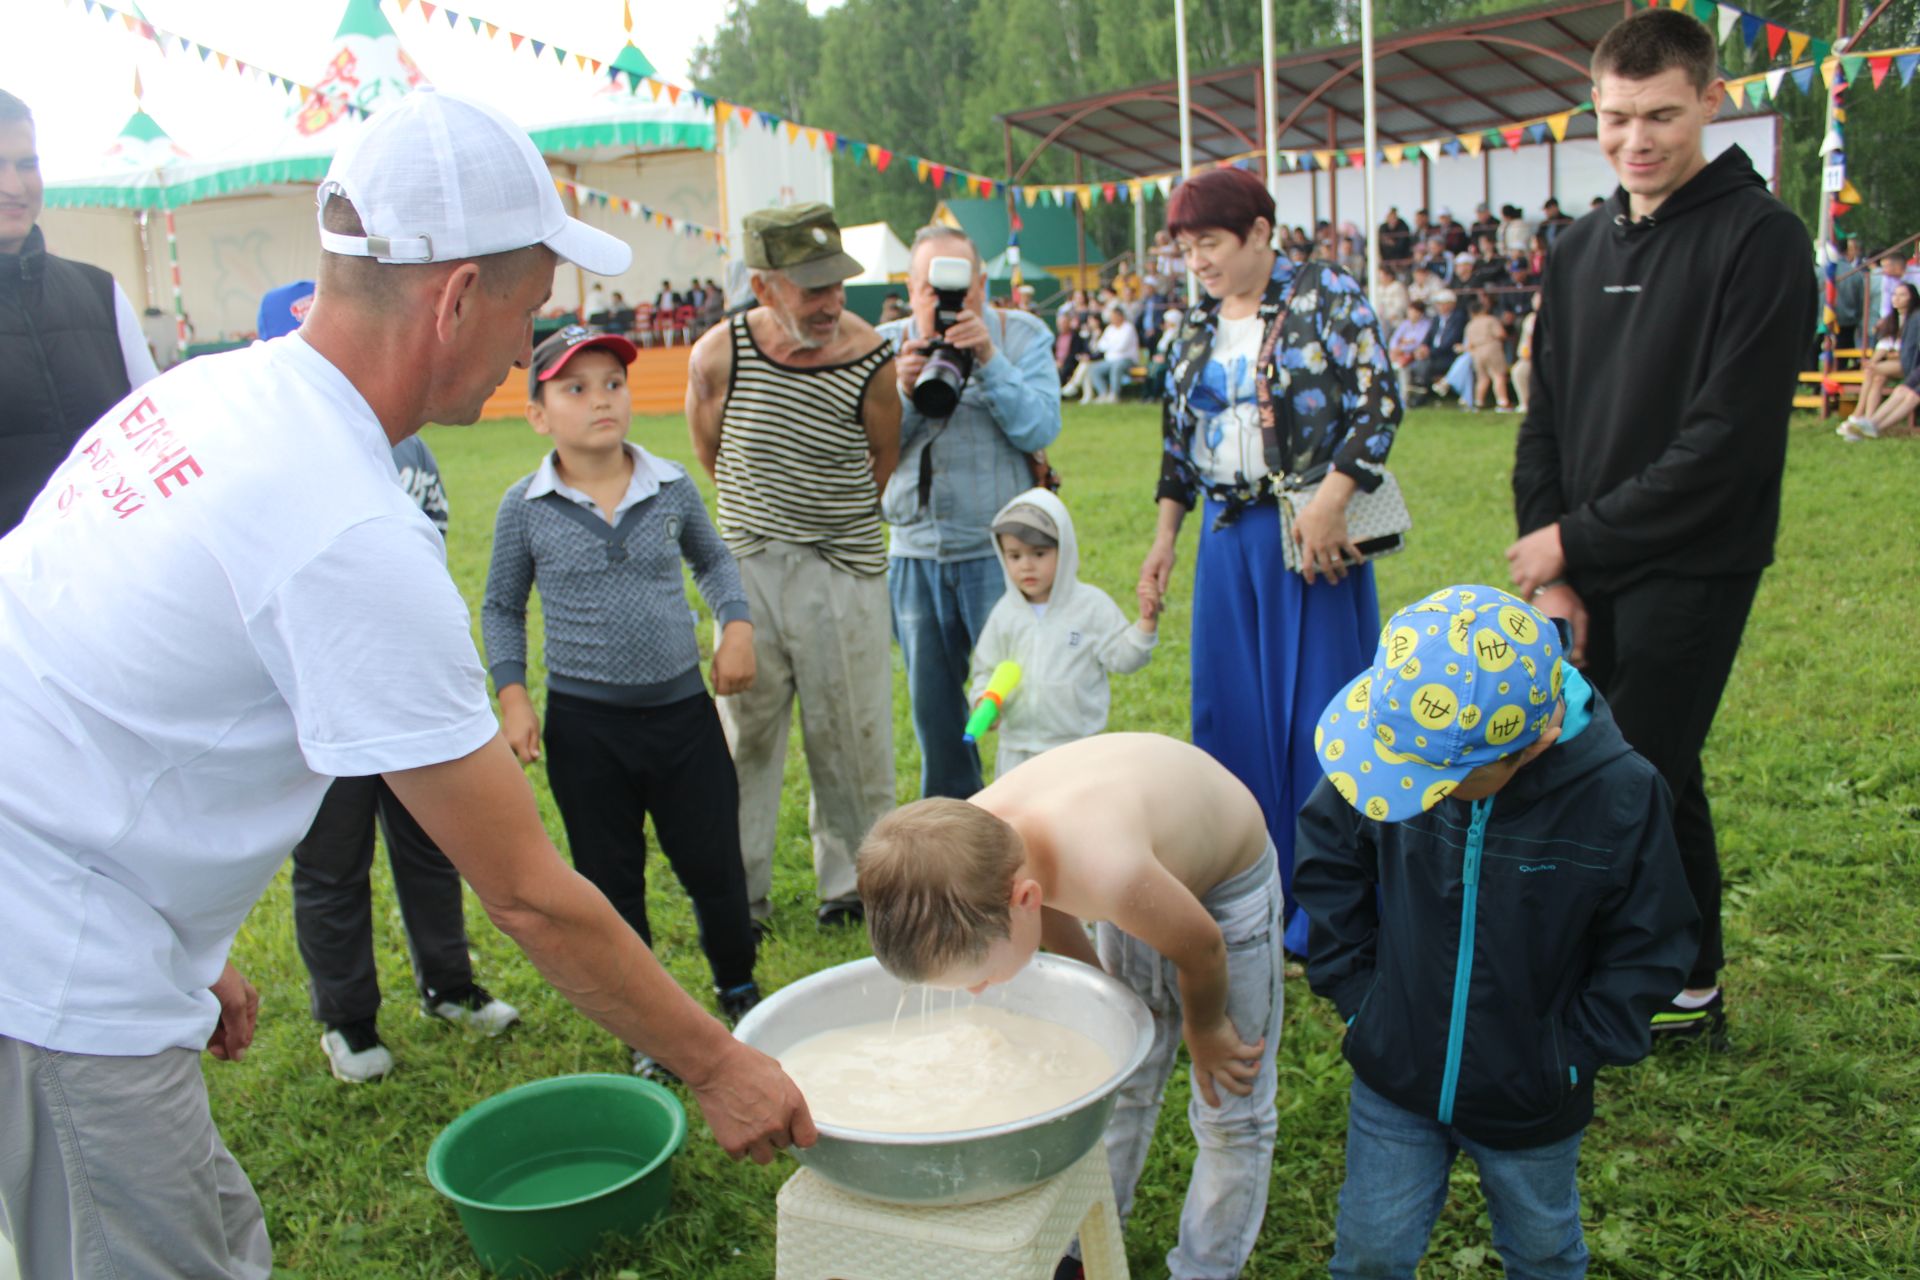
[[1665, 359], [1490, 956]]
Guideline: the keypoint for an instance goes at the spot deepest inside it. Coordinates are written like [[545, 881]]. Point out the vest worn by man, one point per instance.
[[61, 366], [793, 463]]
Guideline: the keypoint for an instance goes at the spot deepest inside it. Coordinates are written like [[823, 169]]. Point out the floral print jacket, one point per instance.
[[1335, 397]]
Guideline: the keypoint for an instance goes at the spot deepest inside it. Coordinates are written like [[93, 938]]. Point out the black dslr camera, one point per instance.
[[936, 392]]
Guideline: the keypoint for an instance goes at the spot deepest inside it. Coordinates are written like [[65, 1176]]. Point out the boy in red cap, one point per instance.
[[602, 527]]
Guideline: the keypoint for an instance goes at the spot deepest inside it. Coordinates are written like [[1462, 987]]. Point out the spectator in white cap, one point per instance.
[[222, 600]]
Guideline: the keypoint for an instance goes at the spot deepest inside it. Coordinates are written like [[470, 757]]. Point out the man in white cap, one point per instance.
[[220, 601]]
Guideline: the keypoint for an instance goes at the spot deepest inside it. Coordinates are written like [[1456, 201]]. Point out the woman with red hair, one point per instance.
[[1270, 646]]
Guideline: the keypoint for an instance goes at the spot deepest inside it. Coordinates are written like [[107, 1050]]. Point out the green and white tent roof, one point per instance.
[[620, 117]]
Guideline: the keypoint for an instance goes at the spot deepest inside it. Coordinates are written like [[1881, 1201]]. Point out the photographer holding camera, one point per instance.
[[978, 393]]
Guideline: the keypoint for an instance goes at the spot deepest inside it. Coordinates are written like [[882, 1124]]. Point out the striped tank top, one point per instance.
[[793, 458]]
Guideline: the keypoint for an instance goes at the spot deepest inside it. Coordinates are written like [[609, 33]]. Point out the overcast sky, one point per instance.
[[76, 71]]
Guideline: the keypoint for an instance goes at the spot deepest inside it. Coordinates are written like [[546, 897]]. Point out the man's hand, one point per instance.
[[239, 1012], [751, 1105], [1536, 560], [969, 333], [733, 659], [520, 723], [1222, 1061], [1562, 601], [1320, 531], [908, 361]]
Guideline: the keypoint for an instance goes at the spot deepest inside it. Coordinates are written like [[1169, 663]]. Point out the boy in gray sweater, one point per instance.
[[602, 528]]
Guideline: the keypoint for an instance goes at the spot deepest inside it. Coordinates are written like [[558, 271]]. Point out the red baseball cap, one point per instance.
[[551, 356]]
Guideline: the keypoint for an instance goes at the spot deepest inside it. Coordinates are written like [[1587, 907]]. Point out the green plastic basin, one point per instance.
[[542, 1173]]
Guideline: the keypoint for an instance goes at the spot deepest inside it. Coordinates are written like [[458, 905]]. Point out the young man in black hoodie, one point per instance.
[[1497, 909], [1647, 477]]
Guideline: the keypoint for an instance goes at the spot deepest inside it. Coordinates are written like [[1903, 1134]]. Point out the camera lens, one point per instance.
[[936, 392]]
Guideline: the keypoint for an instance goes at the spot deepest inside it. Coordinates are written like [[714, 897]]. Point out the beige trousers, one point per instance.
[[822, 635]]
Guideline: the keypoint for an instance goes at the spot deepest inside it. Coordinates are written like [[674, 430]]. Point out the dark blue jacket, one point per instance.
[[1491, 956]]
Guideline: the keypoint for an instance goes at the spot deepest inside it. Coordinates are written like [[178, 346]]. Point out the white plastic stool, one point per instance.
[[830, 1234]]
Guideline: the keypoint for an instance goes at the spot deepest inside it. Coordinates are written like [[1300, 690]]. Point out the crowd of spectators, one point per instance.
[[670, 316]]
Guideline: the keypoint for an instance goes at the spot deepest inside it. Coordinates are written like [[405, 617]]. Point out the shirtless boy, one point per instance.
[[1167, 853]]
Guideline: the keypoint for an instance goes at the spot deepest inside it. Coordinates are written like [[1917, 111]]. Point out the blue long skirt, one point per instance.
[[1269, 651]]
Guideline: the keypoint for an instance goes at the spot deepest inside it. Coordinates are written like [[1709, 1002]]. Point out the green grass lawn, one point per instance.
[[1795, 1155]]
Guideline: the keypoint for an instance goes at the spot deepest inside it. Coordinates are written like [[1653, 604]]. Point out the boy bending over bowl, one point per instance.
[[1168, 855]]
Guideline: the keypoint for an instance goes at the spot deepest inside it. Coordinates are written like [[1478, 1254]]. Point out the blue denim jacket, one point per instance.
[[1011, 406]]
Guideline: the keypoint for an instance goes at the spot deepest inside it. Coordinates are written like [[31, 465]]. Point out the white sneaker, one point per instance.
[[355, 1054], [475, 1007]]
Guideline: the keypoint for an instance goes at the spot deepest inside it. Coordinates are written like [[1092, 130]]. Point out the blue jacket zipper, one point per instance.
[[1463, 966]]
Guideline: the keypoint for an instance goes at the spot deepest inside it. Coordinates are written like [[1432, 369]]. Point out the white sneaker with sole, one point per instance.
[[355, 1054], [475, 1007]]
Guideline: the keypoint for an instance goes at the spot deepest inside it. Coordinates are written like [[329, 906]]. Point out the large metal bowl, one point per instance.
[[967, 1165]]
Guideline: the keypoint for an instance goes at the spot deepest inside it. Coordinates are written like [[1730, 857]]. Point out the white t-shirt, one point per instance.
[[222, 600], [1227, 440]]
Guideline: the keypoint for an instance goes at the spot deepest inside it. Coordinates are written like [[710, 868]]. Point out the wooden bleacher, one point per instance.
[[658, 379], [1845, 378]]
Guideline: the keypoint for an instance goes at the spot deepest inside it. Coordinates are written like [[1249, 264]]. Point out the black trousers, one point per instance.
[[1661, 651], [610, 767], [333, 902]]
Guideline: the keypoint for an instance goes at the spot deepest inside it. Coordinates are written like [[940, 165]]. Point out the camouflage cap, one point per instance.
[[801, 240]]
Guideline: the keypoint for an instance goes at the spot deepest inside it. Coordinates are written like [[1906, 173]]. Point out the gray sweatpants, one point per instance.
[[111, 1168], [824, 636], [1227, 1194]]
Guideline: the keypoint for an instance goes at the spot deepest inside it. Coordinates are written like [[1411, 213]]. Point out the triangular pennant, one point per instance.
[[1775, 78], [1880, 66], [880, 156], [1849, 194], [1829, 70], [746, 116], [1819, 49], [221, 58], [1537, 132], [513, 41], [1797, 45], [1033, 195], [920, 169], [1471, 142], [793, 131], [1729, 19], [1324, 159], [539, 46], [1855, 64], [492, 30], [1907, 63], [560, 55], [88, 5], [1756, 94], [1750, 28], [476, 24], [1803, 79], [988, 187], [673, 94], [1084, 194], [937, 174], [1394, 156], [1510, 138], [1736, 93], [1357, 159], [1703, 11], [1166, 186], [1431, 150], [1775, 34], [403, 5], [203, 51], [1107, 192], [426, 10]]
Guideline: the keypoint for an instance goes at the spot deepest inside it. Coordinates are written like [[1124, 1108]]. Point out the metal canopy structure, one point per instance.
[[1454, 78]]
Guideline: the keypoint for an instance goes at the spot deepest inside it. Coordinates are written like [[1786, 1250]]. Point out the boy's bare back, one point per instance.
[[1096, 813]]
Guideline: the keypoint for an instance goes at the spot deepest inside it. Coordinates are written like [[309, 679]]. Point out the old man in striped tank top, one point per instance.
[[794, 413]]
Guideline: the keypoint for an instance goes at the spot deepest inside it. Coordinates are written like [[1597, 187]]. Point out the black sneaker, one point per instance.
[[472, 1006], [847, 911], [736, 1001], [354, 1052], [1707, 1024]]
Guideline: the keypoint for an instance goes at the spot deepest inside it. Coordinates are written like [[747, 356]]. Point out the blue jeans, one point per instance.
[[1108, 375], [1397, 1165], [939, 610]]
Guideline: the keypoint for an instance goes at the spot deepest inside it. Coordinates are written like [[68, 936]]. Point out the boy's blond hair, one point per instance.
[[937, 880]]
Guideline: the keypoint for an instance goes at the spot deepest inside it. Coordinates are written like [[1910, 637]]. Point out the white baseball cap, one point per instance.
[[441, 178]]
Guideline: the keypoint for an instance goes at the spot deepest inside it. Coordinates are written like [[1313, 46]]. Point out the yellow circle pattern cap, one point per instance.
[[1439, 702]]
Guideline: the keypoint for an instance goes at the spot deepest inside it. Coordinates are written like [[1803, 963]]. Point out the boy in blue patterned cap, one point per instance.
[[1498, 908]]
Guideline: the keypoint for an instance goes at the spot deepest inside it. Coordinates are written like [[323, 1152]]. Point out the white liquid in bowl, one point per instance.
[[970, 1069]]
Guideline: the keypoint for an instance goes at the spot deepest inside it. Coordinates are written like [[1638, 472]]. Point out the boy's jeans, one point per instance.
[[1397, 1163], [1227, 1197]]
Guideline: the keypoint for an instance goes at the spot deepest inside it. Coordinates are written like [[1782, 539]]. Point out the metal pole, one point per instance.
[[1265, 98], [1372, 143], [1186, 120]]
